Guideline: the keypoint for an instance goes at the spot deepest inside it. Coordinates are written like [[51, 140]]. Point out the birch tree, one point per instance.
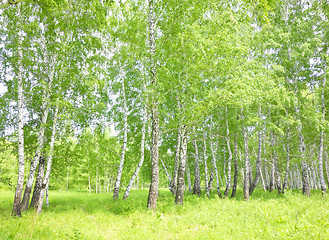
[[21, 161], [45, 182], [124, 144], [154, 187]]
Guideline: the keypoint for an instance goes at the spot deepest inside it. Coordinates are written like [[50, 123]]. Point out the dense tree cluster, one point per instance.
[[190, 95]]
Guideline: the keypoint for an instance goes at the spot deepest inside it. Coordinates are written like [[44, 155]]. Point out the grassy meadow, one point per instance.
[[75, 215]]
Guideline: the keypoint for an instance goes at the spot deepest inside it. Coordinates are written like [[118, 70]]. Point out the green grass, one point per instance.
[[73, 215]]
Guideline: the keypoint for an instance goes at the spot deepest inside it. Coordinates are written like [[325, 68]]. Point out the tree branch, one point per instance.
[[110, 150]]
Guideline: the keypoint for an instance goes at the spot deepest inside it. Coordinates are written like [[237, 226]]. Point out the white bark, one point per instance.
[[254, 183], [175, 174], [301, 148], [258, 164], [265, 168], [273, 156], [45, 183], [285, 182], [166, 171], [196, 186], [188, 176], [263, 182], [21, 160], [124, 144], [213, 159], [140, 164], [154, 187], [229, 160], [320, 157], [246, 184], [205, 163], [292, 182], [38, 182], [327, 167], [182, 164], [47, 196], [236, 168], [41, 134]]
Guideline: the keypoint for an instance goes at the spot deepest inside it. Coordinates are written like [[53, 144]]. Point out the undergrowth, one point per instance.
[[76, 215]]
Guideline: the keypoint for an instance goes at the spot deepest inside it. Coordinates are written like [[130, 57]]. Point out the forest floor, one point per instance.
[[74, 215]]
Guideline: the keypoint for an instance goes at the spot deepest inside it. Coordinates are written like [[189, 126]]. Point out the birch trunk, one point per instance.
[[258, 164], [305, 177], [246, 166], [327, 170], [213, 160], [292, 182], [263, 182], [196, 186], [305, 180], [320, 157], [166, 171], [259, 158], [300, 183], [224, 168], [265, 169], [140, 164], [49, 72], [277, 171], [310, 177], [124, 144], [175, 174], [154, 187], [326, 165], [21, 161], [205, 165], [228, 180], [236, 168], [211, 179], [301, 148], [296, 177], [316, 172], [277, 176], [188, 176], [250, 170], [272, 176], [47, 196], [181, 171], [45, 183], [38, 182], [311, 174], [315, 178], [285, 182]]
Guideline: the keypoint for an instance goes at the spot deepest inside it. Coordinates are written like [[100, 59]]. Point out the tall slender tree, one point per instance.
[[21, 161], [154, 187]]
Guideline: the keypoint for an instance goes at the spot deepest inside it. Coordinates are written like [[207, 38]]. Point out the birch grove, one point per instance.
[[229, 97]]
